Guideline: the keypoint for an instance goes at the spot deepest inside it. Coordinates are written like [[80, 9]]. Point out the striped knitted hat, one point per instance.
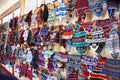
[[78, 39], [96, 73]]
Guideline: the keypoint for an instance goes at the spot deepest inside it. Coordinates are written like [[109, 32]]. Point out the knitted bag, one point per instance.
[[23, 69], [29, 73], [69, 45], [16, 37], [11, 37], [29, 37], [25, 35], [33, 18], [20, 55]]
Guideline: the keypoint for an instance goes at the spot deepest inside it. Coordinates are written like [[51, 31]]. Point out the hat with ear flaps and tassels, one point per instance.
[[78, 39], [96, 7]]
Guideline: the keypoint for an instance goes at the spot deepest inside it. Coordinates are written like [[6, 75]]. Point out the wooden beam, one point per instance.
[[10, 10]]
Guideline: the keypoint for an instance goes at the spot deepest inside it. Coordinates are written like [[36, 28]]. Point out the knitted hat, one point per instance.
[[113, 42], [44, 15], [112, 68], [78, 40], [97, 71], [112, 5], [44, 32], [98, 12], [33, 18], [28, 18], [73, 75], [70, 8], [84, 4], [61, 57], [51, 16], [74, 61], [89, 61], [68, 32], [38, 17], [81, 10], [97, 35], [106, 25], [50, 66], [88, 26], [60, 11], [96, 6]]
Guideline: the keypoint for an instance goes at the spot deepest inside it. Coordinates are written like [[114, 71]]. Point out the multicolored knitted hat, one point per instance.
[[97, 71], [81, 10], [78, 39], [51, 16], [97, 35], [112, 68]]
